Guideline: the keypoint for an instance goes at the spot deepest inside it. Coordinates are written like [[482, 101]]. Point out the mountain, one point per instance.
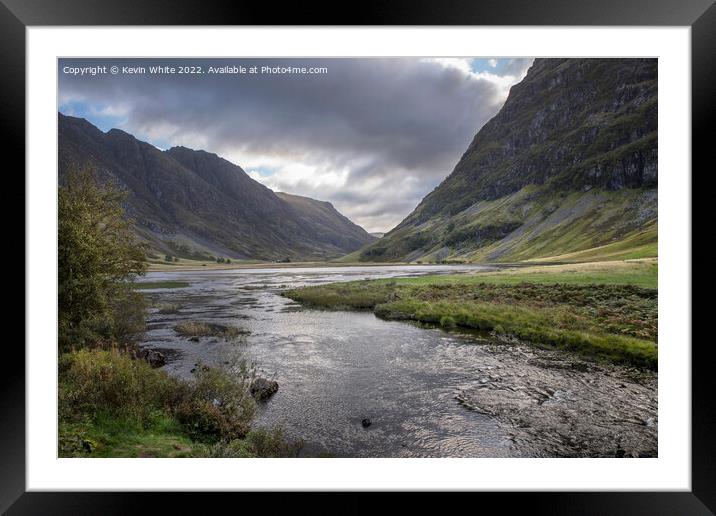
[[194, 204], [567, 169]]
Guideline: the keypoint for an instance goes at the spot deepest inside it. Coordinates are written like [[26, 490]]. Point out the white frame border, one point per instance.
[[670, 471]]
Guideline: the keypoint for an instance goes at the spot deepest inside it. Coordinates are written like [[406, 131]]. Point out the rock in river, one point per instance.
[[155, 358], [262, 389]]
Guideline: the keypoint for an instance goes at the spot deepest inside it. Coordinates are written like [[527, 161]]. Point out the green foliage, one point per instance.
[[168, 258], [97, 253], [557, 327], [220, 406], [257, 443], [110, 435], [113, 405], [447, 321], [94, 381]]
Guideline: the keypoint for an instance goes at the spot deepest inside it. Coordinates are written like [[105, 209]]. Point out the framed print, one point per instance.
[[417, 250]]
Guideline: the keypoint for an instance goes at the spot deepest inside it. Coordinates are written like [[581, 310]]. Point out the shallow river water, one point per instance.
[[427, 392]]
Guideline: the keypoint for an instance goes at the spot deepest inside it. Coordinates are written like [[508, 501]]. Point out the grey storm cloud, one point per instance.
[[372, 135]]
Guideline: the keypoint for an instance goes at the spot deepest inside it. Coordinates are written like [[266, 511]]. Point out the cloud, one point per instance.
[[372, 136]]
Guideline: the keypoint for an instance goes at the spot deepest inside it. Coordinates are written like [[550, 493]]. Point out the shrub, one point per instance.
[[99, 384], [257, 443], [218, 406], [94, 381], [96, 254]]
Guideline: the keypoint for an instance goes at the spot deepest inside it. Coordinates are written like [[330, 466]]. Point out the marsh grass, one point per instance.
[[204, 329], [606, 314], [168, 308]]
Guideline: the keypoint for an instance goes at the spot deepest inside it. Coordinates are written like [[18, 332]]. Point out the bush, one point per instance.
[[96, 381], [218, 406], [128, 311], [257, 443], [96, 256]]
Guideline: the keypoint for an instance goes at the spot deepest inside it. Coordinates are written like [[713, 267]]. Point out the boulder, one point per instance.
[[262, 388], [153, 357]]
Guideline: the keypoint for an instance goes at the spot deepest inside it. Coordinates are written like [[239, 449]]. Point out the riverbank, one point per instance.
[[197, 265], [113, 405], [605, 310]]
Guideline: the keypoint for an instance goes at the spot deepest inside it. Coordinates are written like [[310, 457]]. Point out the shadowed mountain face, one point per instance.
[[195, 204], [567, 168]]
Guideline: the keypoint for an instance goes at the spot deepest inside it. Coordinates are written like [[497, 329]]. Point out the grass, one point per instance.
[[106, 435], [604, 310], [641, 273], [114, 406], [204, 329], [534, 223], [168, 308], [160, 284]]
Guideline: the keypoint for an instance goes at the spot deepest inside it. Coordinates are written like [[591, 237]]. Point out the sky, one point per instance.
[[372, 136]]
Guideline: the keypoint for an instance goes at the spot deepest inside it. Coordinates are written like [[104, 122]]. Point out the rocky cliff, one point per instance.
[[568, 165]]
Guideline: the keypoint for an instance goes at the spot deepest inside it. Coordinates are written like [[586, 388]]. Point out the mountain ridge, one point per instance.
[[195, 204]]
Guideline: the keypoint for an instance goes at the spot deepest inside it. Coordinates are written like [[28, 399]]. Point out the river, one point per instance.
[[427, 392]]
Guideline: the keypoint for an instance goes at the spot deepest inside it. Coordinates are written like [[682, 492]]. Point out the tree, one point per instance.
[[168, 258], [97, 255]]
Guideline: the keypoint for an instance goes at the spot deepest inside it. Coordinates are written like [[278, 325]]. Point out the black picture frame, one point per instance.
[[700, 15]]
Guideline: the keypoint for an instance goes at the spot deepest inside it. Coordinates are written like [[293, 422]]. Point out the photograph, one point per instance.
[[357, 257]]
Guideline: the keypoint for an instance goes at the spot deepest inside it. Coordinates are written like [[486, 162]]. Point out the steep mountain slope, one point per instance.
[[568, 164], [326, 222], [195, 204]]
